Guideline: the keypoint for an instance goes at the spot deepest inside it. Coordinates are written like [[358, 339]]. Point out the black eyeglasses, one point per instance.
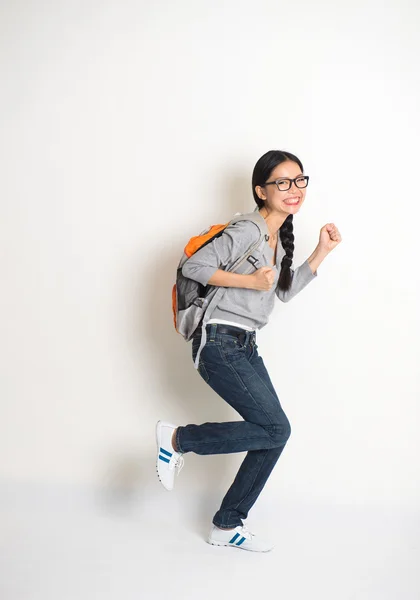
[[284, 183]]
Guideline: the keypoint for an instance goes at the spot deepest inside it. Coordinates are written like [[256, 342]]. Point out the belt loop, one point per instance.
[[252, 337], [213, 330]]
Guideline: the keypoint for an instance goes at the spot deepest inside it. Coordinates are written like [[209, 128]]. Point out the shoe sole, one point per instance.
[[158, 426], [214, 543]]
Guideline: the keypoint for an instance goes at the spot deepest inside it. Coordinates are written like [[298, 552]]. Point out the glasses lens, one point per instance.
[[283, 185], [301, 182]]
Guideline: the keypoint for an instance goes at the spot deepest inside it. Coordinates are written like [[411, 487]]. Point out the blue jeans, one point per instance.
[[233, 369]]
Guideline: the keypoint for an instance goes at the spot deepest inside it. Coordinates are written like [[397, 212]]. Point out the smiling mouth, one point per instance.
[[296, 201]]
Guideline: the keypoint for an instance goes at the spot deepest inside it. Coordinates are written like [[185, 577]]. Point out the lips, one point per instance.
[[292, 201]]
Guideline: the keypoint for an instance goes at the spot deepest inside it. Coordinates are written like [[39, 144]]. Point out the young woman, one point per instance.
[[229, 361]]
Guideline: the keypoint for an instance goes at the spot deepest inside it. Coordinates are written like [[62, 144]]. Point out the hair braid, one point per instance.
[[287, 241]]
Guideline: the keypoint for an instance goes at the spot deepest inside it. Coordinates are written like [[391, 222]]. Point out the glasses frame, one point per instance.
[[276, 182]]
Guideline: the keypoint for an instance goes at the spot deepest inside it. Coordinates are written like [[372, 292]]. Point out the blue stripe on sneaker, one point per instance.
[[235, 537], [165, 452], [240, 541], [163, 458]]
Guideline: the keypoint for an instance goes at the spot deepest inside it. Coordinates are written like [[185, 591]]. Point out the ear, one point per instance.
[[260, 193]]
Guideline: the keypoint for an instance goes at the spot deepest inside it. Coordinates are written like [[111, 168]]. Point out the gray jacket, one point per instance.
[[249, 307]]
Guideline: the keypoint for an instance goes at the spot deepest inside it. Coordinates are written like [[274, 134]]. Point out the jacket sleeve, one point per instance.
[[222, 252], [300, 279]]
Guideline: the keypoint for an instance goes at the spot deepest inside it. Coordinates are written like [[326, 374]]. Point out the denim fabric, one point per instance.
[[233, 369]]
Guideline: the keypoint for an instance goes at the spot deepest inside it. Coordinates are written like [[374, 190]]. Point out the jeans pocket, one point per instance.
[[232, 347]]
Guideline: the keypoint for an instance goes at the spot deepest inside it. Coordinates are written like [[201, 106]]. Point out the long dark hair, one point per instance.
[[261, 173]]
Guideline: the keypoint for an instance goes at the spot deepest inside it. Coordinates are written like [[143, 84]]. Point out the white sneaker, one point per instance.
[[167, 461], [240, 537]]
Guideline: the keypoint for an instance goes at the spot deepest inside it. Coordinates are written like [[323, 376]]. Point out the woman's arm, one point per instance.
[[207, 264], [300, 279], [226, 279], [316, 258], [262, 279]]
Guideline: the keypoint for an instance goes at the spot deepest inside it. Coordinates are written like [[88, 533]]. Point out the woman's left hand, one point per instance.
[[329, 237]]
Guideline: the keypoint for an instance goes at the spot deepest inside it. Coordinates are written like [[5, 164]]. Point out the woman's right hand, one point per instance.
[[262, 279]]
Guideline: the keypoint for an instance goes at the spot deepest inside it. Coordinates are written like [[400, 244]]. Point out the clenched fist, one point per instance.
[[329, 237], [263, 279]]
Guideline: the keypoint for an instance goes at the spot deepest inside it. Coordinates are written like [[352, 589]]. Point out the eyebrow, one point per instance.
[[300, 175]]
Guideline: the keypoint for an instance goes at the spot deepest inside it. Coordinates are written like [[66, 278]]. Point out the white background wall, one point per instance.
[[129, 127]]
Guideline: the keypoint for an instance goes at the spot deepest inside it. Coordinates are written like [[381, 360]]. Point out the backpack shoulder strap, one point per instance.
[[254, 216]]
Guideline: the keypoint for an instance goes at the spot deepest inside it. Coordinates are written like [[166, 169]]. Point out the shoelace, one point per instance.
[[246, 531], [176, 463]]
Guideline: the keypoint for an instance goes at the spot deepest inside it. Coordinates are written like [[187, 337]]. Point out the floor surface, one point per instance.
[[61, 544]]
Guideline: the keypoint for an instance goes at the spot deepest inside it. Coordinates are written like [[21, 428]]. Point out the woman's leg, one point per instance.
[[238, 375], [246, 487], [225, 365], [254, 470]]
